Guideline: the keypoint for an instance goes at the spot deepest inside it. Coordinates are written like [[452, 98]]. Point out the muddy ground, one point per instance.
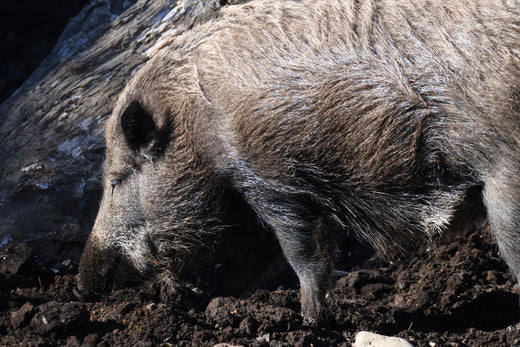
[[461, 294]]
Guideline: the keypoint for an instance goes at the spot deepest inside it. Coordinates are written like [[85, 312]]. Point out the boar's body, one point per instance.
[[325, 117]]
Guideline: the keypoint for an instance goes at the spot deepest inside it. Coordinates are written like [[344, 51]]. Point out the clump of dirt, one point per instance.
[[461, 294]]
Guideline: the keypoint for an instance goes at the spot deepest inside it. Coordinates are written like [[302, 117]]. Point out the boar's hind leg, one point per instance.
[[501, 196]]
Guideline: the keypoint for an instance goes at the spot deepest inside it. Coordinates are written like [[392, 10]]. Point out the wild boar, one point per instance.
[[373, 118]]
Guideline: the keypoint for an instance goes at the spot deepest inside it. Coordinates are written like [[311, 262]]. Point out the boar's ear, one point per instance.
[[138, 126]]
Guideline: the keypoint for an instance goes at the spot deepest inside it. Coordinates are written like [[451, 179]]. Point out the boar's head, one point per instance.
[[159, 198]]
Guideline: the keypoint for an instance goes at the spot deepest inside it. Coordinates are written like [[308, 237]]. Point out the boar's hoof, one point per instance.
[[314, 322]]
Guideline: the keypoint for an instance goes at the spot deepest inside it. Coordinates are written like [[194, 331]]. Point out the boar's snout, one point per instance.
[[102, 269]]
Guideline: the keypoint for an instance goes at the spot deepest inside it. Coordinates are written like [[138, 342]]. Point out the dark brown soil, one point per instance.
[[462, 294]]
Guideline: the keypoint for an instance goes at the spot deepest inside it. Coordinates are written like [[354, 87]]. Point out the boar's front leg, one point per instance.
[[306, 241], [309, 253]]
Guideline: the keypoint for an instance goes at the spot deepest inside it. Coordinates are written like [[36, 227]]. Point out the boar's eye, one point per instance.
[[114, 183], [138, 126]]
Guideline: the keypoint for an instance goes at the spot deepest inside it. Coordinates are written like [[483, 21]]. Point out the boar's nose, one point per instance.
[[94, 268], [100, 270]]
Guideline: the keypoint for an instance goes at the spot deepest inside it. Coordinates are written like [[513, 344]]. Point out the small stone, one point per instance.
[[368, 339]]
